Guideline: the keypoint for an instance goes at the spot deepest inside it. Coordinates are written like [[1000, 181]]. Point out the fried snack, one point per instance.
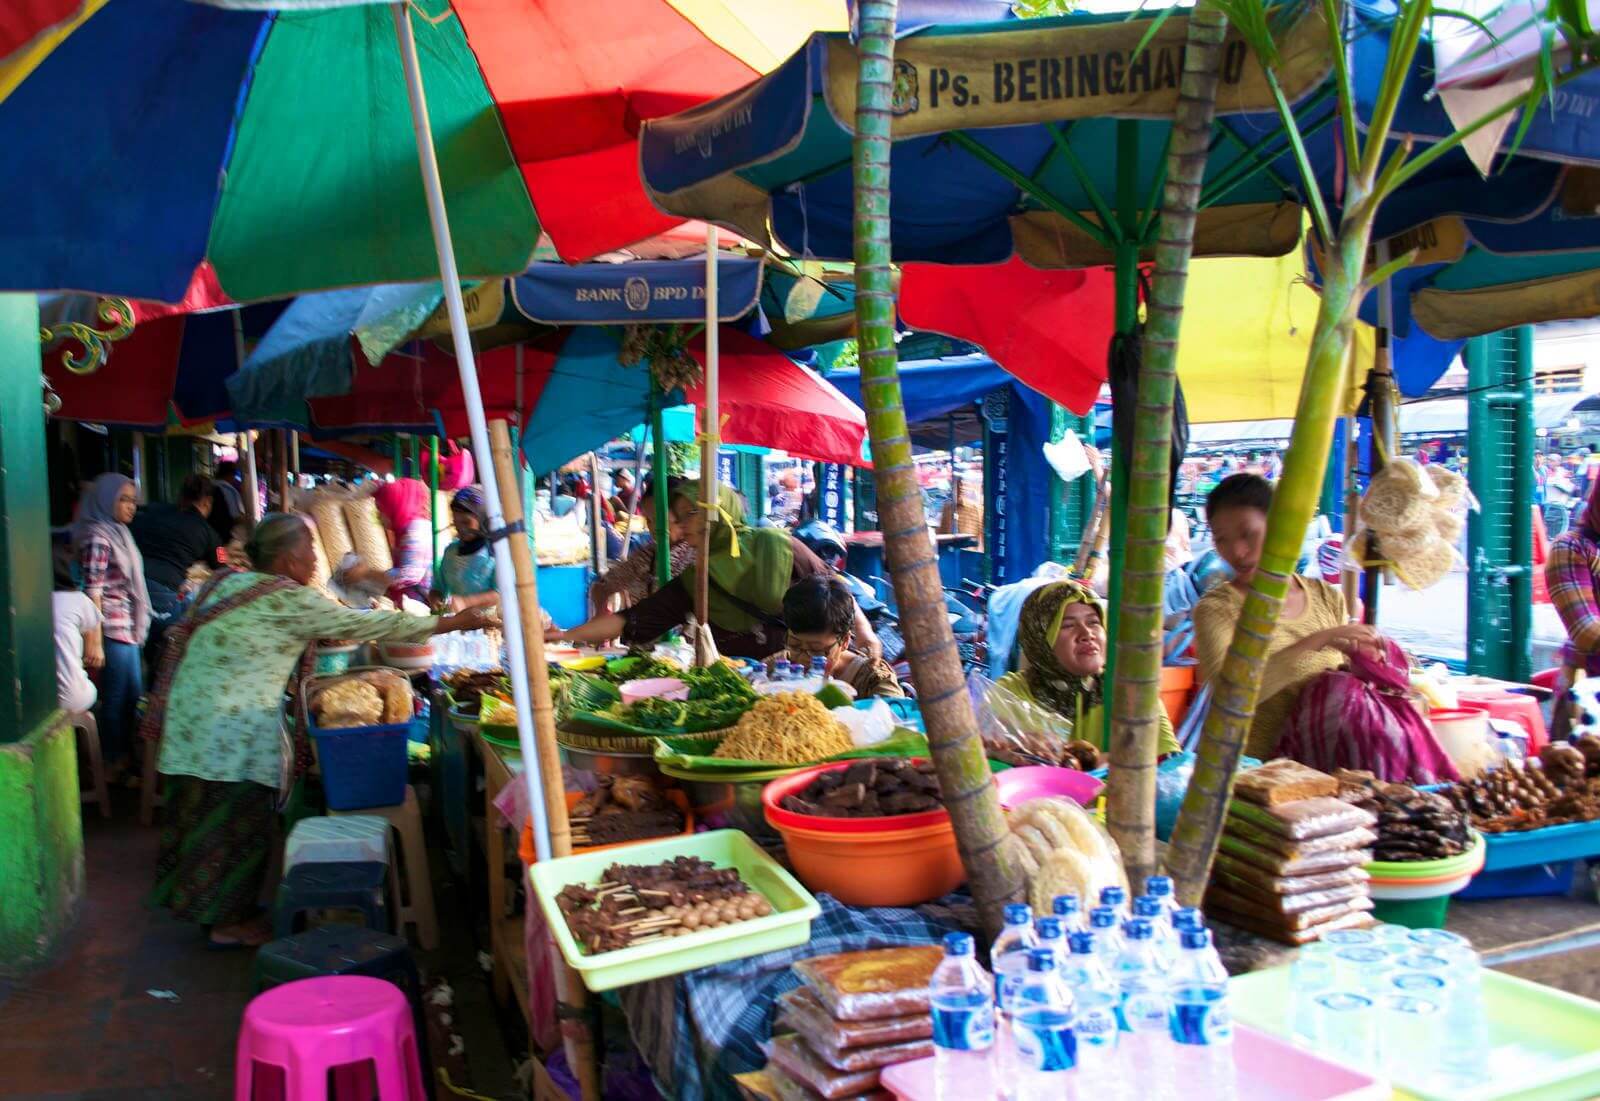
[[872, 984], [1452, 486], [788, 728], [367, 534], [348, 703], [1424, 567], [1283, 781], [1399, 496], [1065, 871]]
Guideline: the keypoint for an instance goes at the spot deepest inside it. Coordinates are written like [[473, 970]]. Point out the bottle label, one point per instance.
[[1200, 1016], [968, 1027], [1096, 1027], [1046, 1041], [1142, 1011]]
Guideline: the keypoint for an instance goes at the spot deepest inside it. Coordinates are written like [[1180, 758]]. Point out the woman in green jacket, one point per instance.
[[1062, 635]]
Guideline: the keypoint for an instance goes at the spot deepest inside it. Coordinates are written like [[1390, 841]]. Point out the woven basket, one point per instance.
[[366, 532]]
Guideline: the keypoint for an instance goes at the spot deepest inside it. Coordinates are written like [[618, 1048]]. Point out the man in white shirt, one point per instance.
[[78, 649]]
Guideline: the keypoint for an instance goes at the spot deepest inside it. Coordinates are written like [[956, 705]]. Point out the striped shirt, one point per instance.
[[634, 578], [1570, 574], [103, 578]]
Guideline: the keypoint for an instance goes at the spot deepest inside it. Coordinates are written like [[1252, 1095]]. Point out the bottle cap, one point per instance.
[[1064, 905], [1082, 944], [1048, 928], [1137, 928], [1197, 938], [958, 944], [1041, 959], [1103, 917], [1188, 917], [1159, 885], [1147, 906], [1018, 913], [1113, 896], [818, 664]]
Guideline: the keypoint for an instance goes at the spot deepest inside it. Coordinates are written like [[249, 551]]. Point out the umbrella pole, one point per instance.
[[579, 1043], [246, 445], [1380, 389], [597, 517], [658, 479], [433, 499], [708, 436]]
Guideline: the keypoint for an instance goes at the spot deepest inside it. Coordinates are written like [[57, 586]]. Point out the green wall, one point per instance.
[[41, 859]]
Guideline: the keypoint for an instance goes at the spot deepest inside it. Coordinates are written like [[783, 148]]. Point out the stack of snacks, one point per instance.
[[857, 1013], [1290, 864], [1412, 825]]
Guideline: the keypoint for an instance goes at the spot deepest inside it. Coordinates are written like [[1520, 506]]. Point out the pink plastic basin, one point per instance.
[[1018, 785], [660, 688], [1509, 707]]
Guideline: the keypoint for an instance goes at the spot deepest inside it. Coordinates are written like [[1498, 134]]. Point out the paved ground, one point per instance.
[[1434, 622], [90, 1028]]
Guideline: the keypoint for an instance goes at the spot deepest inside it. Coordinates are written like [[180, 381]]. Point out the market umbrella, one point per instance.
[[30, 29], [279, 145]]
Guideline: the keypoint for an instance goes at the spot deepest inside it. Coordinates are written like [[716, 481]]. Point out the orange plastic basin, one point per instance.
[[887, 868], [1177, 684]]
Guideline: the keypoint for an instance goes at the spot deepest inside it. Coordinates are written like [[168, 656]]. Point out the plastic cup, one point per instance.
[[1344, 1025], [1364, 967], [1430, 962], [1410, 1032], [1387, 934], [1437, 938], [1310, 973], [1349, 938]]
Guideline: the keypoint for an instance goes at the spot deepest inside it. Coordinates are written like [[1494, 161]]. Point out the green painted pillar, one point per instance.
[[1500, 531], [41, 830], [1071, 503]]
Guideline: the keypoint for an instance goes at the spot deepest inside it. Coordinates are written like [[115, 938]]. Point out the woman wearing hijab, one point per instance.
[[113, 579], [1572, 574], [750, 571], [404, 507], [1062, 634], [466, 569]]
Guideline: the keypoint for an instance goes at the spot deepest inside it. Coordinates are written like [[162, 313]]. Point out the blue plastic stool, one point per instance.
[[344, 886]]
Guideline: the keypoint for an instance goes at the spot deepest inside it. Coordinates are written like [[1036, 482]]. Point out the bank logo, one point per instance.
[[636, 294], [905, 100]]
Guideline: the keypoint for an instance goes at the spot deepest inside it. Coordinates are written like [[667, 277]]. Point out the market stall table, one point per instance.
[[507, 943]]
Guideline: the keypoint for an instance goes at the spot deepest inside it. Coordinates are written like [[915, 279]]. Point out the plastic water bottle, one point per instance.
[[1051, 937], [1201, 1022], [1073, 919], [1143, 1013], [1047, 1050], [1009, 956], [1187, 917], [962, 999], [1117, 899], [1095, 1000], [1166, 941], [1160, 887], [1107, 940]]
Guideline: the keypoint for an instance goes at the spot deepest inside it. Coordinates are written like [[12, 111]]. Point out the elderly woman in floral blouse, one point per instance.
[[219, 711]]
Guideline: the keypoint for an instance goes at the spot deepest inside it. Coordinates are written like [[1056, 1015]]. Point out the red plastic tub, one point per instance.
[[781, 819]]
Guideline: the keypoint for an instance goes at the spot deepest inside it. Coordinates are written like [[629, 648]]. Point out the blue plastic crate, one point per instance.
[[1550, 845], [1525, 882], [363, 766]]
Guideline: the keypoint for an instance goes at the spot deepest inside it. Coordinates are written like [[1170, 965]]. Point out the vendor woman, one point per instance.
[[218, 712], [1062, 634], [750, 570], [466, 569]]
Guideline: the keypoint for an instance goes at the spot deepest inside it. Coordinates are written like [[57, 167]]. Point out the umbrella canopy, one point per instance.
[[279, 145], [30, 29]]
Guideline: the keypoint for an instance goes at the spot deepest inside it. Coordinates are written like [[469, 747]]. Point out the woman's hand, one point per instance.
[[94, 651], [1351, 638], [469, 619]]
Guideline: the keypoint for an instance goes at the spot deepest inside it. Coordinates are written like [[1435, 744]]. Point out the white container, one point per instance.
[[1465, 737]]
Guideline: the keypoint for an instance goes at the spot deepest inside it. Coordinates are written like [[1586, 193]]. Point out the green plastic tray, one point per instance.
[[1544, 1043], [1428, 869], [680, 754], [788, 926]]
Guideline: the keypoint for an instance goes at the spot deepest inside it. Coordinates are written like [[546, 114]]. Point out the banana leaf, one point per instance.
[[682, 754]]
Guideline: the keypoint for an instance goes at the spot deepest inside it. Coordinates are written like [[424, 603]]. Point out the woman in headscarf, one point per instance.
[[404, 507], [1062, 635], [1572, 574], [218, 711], [750, 570], [466, 569], [634, 577], [113, 579]]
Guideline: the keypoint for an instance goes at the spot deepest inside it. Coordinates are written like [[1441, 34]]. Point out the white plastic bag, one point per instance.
[[867, 725], [1067, 457]]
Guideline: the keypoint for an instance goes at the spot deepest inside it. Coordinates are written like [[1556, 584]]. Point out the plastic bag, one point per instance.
[[804, 1012], [1172, 783], [1067, 851], [1014, 729], [869, 725], [1304, 819], [874, 983], [791, 1055], [1067, 458]]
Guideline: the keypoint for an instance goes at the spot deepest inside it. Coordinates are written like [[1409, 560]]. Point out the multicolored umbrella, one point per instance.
[[279, 145]]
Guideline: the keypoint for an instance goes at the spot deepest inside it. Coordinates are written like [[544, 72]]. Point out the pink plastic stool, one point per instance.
[[1511, 707], [295, 1034]]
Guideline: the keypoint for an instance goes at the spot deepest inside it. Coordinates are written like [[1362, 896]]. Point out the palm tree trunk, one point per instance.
[[981, 835], [1294, 503], [1136, 692]]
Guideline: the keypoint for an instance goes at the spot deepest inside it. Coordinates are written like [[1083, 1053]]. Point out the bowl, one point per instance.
[[1420, 873], [407, 655], [663, 688], [887, 868], [1018, 785], [793, 784]]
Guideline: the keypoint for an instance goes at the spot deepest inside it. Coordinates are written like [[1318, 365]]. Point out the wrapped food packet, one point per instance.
[[1300, 865], [1017, 730], [1287, 904], [1304, 818], [1283, 781], [1227, 903], [1360, 838], [1353, 919], [790, 1055], [788, 1089], [1249, 879], [805, 1013], [874, 983]]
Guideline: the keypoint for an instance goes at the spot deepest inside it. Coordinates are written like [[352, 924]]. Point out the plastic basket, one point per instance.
[[363, 766], [1531, 881], [788, 926]]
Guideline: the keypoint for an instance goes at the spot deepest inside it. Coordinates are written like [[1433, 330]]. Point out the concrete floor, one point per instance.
[[92, 1027]]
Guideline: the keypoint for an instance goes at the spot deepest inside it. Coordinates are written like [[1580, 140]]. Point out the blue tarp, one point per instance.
[[932, 388]]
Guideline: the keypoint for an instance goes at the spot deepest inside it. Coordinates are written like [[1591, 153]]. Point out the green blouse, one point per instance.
[[1090, 724], [224, 714]]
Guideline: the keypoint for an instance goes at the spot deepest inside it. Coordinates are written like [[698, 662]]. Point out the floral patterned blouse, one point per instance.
[[225, 711]]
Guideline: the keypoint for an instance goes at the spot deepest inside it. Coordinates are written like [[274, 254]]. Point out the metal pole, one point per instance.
[[710, 433], [597, 517], [1380, 388], [579, 1041], [433, 500], [658, 478], [294, 454], [138, 463], [246, 449]]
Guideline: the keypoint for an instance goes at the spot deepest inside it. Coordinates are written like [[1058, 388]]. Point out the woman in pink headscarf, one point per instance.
[[404, 507]]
